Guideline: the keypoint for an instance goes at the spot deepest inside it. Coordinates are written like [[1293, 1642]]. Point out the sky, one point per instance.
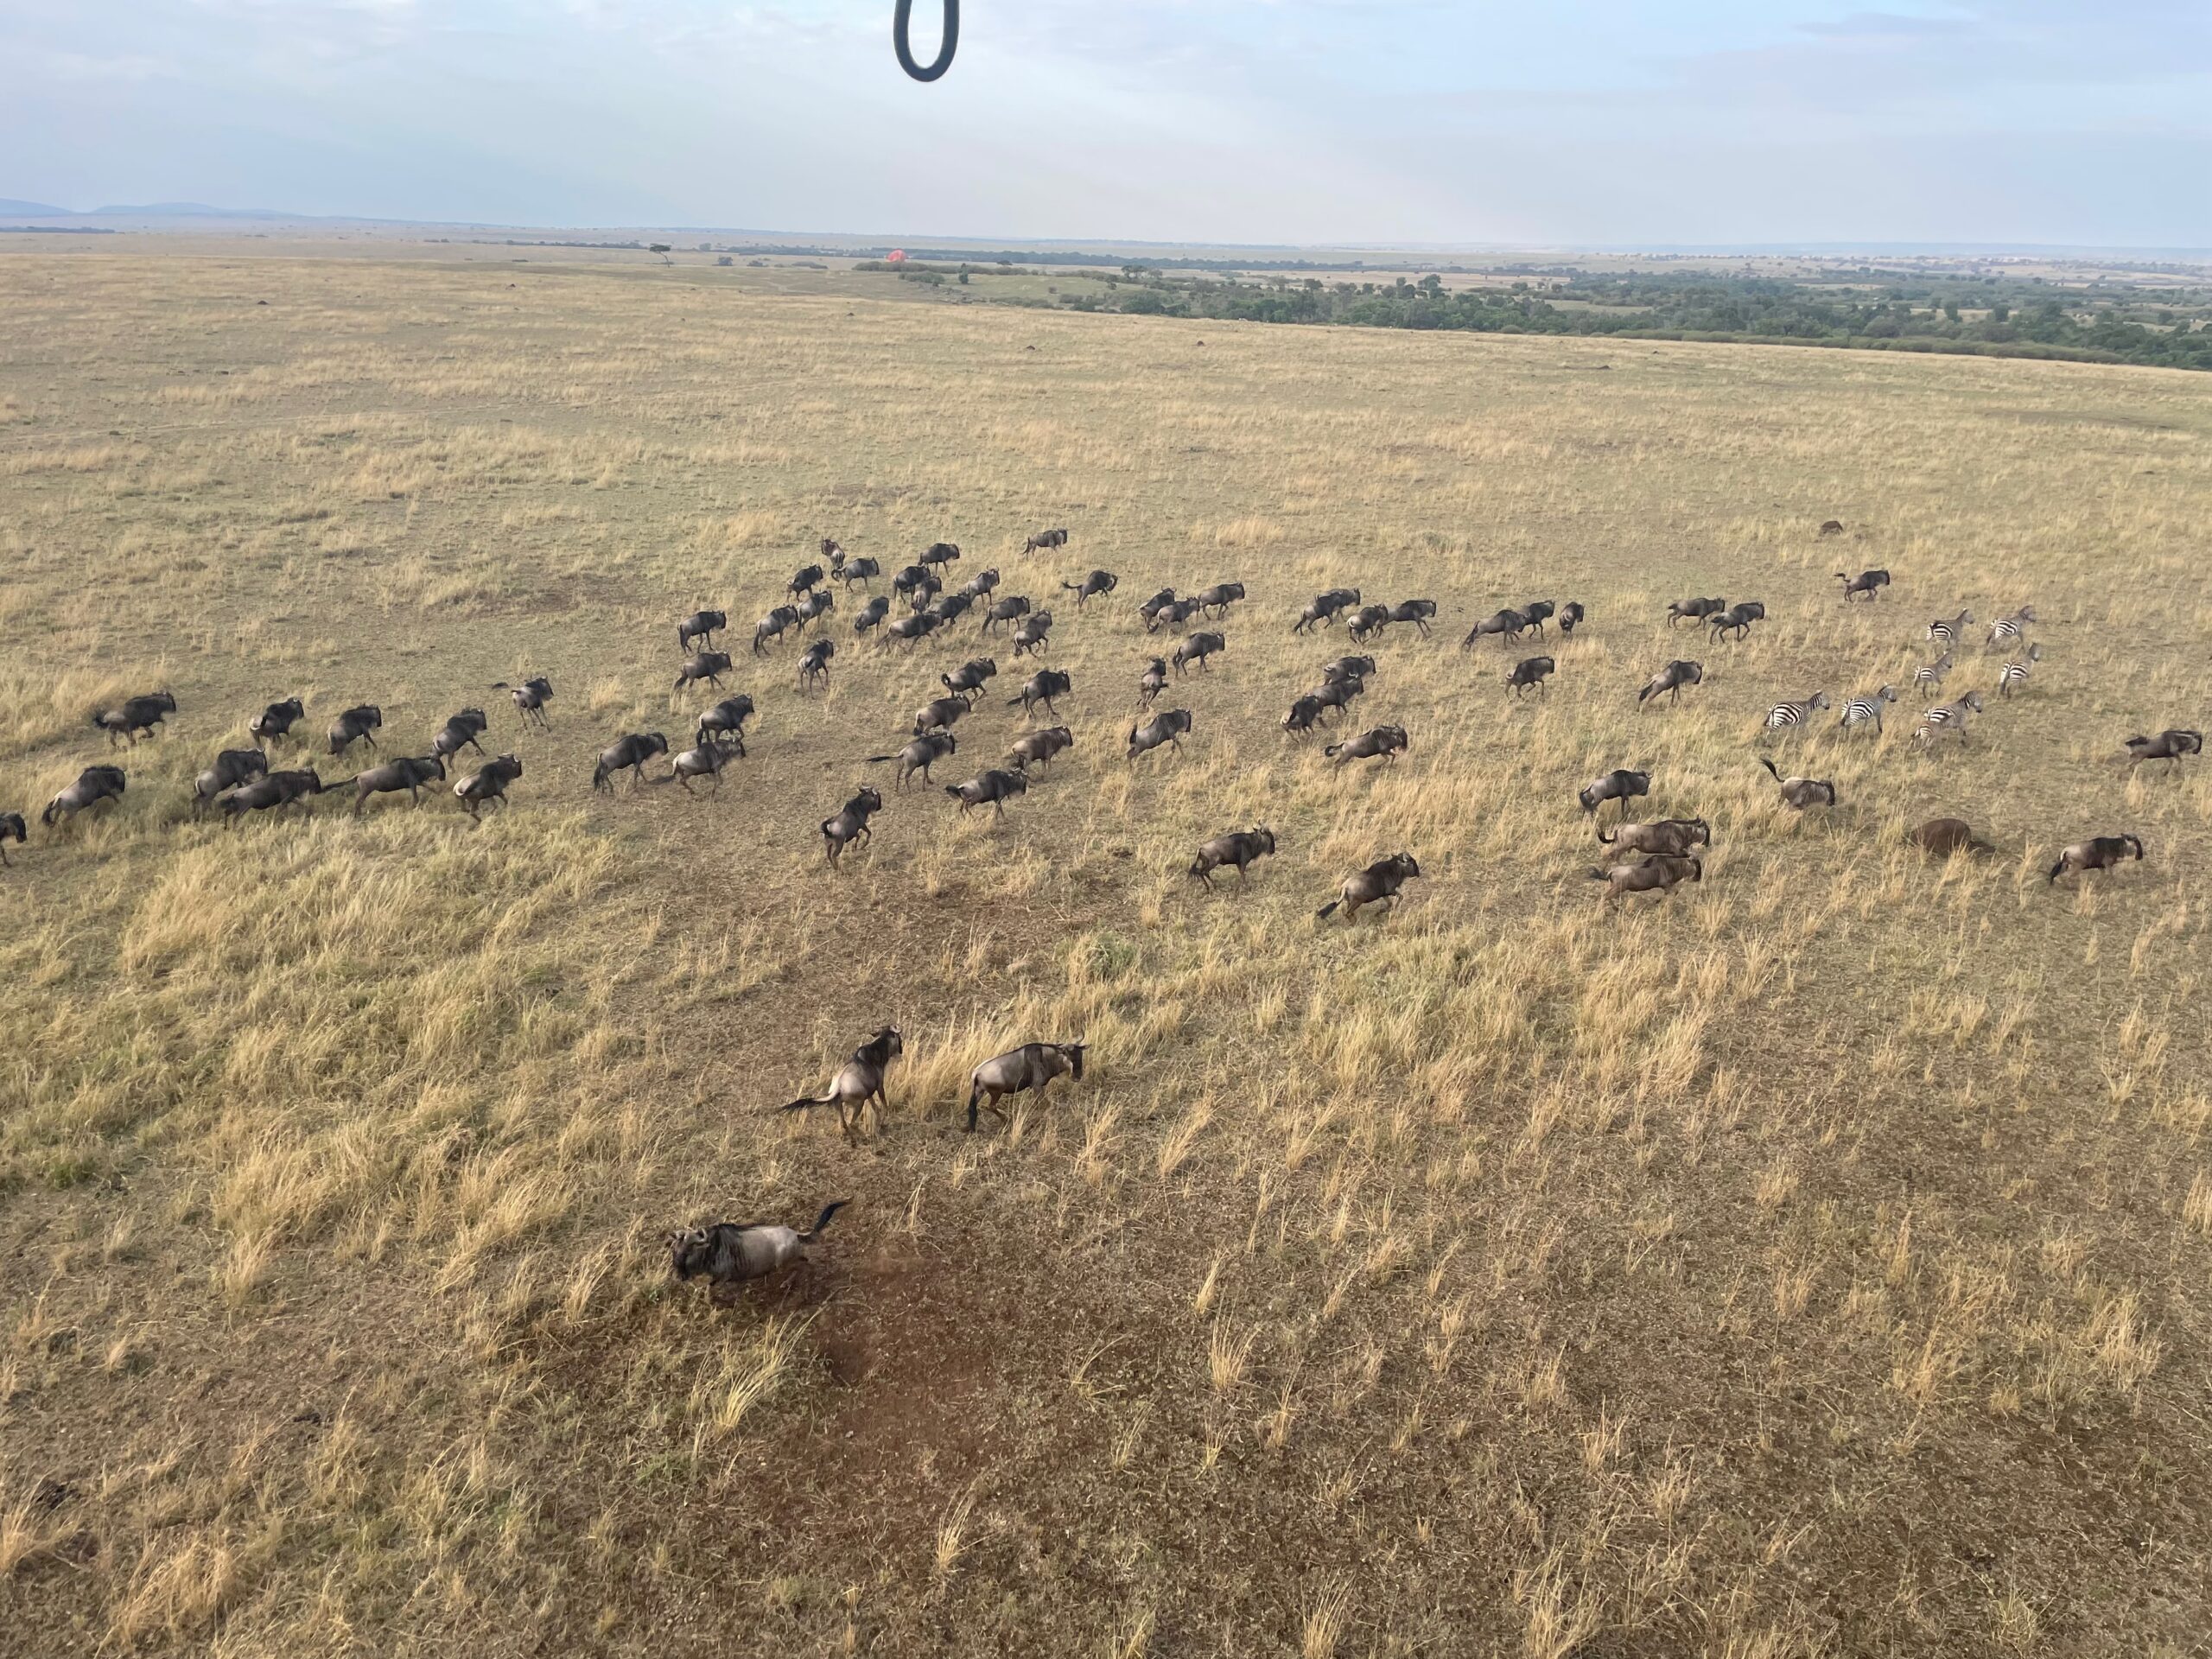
[[1566, 123]]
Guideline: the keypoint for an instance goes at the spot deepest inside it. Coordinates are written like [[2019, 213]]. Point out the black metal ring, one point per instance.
[[951, 38]]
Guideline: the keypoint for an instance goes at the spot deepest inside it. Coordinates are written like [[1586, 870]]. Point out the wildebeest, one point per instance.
[[1005, 610], [1867, 584], [2098, 853], [531, 698], [920, 755], [939, 554], [707, 761], [272, 792], [949, 607], [1506, 624], [1172, 615], [1042, 687], [917, 582], [1366, 622], [859, 1080], [276, 719], [1798, 793], [1098, 583], [2168, 746], [1659, 872], [1529, 672], [1831, 527], [357, 724], [1670, 680], [409, 773], [1415, 611], [818, 604], [938, 712], [1384, 741], [11, 829], [1029, 638], [814, 665], [699, 626], [232, 768], [1671, 836], [1033, 1065], [1943, 836], [93, 786], [859, 570], [849, 821], [1239, 848], [1323, 607], [1166, 727], [1535, 614], [1736, 619], [1338, 694], [871, 613], [1378, 884], [1570, 617], [628, 754], [459, 731], [994, 786], [981, 583], [772, 627], [727, 717], [1038, 748], [1197, 649], [1150, 609], [1217, 599], [1694, 610], [803, 579], [913, 629], [1045, 539], [1619, 784], [969, 678], [707, 666], [134, 716], [728, 1253], [1306, 712], [1347, 668], [487, 784], [1152, 682]]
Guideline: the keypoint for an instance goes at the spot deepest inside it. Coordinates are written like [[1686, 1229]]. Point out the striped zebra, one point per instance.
[[1795, 714], [1951, 630], [2015, 627], [1932, 674], [2015, 672], [1861, 710], [1948, 717]]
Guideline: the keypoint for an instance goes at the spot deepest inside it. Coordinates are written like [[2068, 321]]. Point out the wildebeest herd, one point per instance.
[[1652, 856]]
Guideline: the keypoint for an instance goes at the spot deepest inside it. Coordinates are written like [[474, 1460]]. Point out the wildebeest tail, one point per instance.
[[805, 1101], [1608, 839], [1332, 749], [823, 1220], [1328, 910], [873, 759], [1769, 764], [2057, 869]]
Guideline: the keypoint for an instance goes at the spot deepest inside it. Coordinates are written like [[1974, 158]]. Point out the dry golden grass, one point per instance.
[[1813, 1262]]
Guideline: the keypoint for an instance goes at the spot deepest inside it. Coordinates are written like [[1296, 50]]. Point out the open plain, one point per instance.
[[1814, 1259]]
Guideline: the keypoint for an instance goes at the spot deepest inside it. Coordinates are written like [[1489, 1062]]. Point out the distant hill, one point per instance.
[[10, 208], [187, 210]]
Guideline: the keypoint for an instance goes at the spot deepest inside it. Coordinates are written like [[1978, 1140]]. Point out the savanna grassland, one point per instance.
[[1812, 1262]]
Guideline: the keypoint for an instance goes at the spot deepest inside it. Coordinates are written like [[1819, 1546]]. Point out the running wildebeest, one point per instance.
[[871, 613], [276, 719], [1339, 694], [1152, 608], [993, 787], [1798, 793], [949, 607], [2098, 853], [1240, 848], [1347, 668], [729, 716], [2168, 746], [1570, 617], [1029, 638], [939, 554], [1045, 539], [818, 604], [1033, 1065], [272, 792], [1619, 784], [1866, 584], [814, 666], [707, 761], [1160, 729], [11, 829], [916, 583], [981, 583], [707, 666], [699, 626], [1673, 836], [859, 570], [771, 627], [969, 678], [938, 712], [1005, 610], [1038, 748], [803, 579], [1658, 873], [1042, 687], [1323, 607], [1736, 619], [859, 1081], [409, 774], [487, 784], [1385, 741], [1378, 884], [1197, 649], [1537, 614], [357, 724], [134, 716], [1152, 682], [1529, 670], [1217, 599], [1694, 610], [93, 786], [1415, 611], [1670, 680], [531, 698], [627, 754], [1172, 615], [1943, 836], [1506, 624], [459, 731], [1367, 622], [728, 1253], [920, 755], [849, 821], [1305, 714], [910, 630], [232, 768], [1098, 583]]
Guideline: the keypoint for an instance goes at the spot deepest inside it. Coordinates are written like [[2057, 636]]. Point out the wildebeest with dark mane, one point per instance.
[[134, 717], [93, 786]]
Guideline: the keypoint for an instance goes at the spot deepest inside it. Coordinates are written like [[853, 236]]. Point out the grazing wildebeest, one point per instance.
[[11, 829], [1045, 539], [1570, 617], [727, 717], [1943, 836], [1197, 649], [803, 579], [1038, 748], [859, 1081], [1378, 884], [939, 554], [871, 613], [1005, 610], [993, 787], [910, 631], [699, 626], [531, 698], [1658, 873], [409, 774], [814, 666], [1366, 622], [730, 1253], [1415, 611], [1033, 1065], [938, 713], [1166, 727], [1323, 607], [707, 761], [1152, 682], [849, 821], [1538, 612], [272, 792], [859, 570], [1385, 741], [1042, 687], [772, 625], [276, 719], [1798, 793], [357, 724], [2168, 746], [1240, 848], [969, 678], [2098, 853], [487, 784], [707, 666], [819, 603], [1670, 680], [1506, 624], [981, 583], [1694, 610], [1619, 784], [1529, 672], [1029, 638], [1217, 599], [232, 768], [134, 716], [1867, 584], [920, 755], [459, 731], [1098, 583], [627, 754], [93, 786], [1673, 836]]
